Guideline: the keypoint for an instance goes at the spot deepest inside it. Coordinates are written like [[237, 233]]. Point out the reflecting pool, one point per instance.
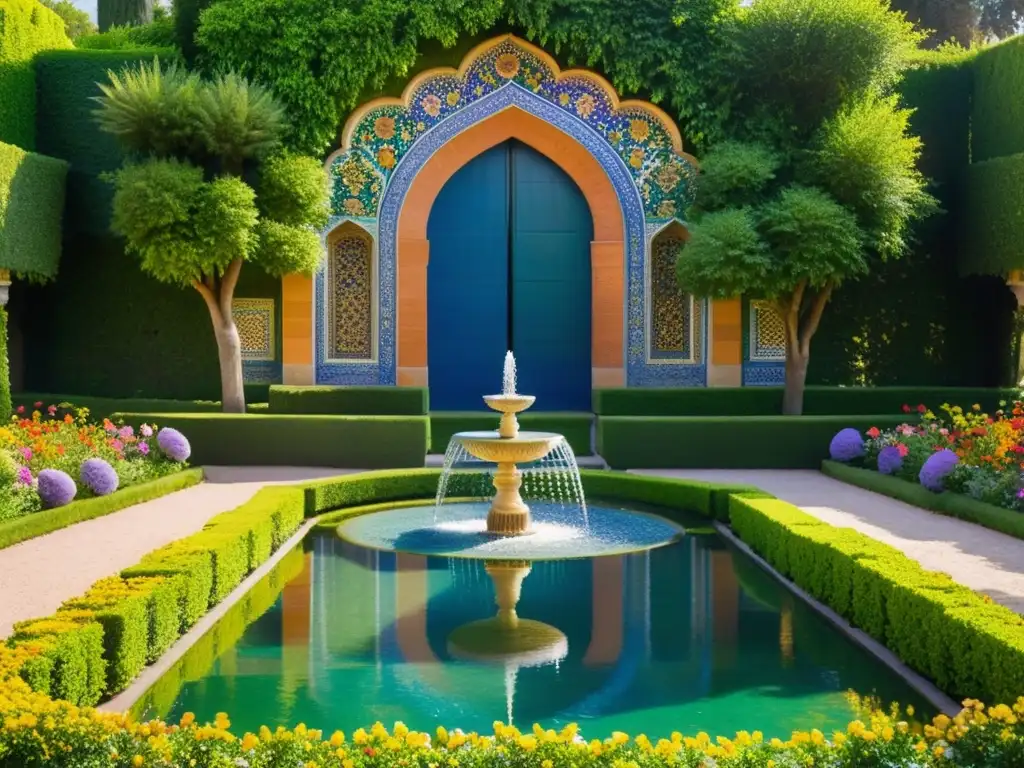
[[689, 637]]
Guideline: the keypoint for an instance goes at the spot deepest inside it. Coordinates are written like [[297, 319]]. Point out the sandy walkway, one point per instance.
[[36, 576], [985, 560]]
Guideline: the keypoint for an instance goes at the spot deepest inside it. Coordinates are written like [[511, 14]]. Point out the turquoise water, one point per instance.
[[688, 637]]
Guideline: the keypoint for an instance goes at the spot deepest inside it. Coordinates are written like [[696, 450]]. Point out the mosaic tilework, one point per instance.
[[631, 143], [764, 374], [386, 133], [671, 309], [261, 372], [350, 299], [355, 186], [255, 321], [767, 334]]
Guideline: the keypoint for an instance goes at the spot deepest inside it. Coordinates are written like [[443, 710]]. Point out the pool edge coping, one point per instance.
[[919, 683], [130, 696]]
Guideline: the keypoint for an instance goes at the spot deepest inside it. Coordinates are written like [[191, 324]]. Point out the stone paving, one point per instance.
[[36, 576], [984, 560]]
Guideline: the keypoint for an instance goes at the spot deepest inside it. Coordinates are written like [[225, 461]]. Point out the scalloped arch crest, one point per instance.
[[378, 135]]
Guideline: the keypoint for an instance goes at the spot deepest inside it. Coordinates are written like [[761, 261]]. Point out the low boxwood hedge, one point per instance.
[[724, 442], [349, 401], [767, 401], [106, 407], [358, 442], [999, 519], [576, 427], [49, 520], [961, 640]]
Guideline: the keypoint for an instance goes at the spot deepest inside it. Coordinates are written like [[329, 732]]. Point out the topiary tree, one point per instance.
[[820, 179], [206, 189]]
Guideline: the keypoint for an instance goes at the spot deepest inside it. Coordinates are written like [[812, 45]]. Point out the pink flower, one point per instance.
[[125, 432], [144, 447], [52, 410], [117, 445], [903, 449], [37, 404], [21, 409], [146, 431], [873, 432], [943, 431], [27, 453], [24, 476]]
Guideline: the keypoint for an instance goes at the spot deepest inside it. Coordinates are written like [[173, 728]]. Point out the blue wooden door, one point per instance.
[[509, 269], [467, 284], [550, 283]]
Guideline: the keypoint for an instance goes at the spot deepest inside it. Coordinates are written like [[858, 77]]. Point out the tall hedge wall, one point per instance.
[[998, 128], [31, 204], [917, 321], [26, 27], [104, 328]]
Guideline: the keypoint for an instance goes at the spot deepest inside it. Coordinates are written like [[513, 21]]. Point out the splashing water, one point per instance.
[[508, 377]]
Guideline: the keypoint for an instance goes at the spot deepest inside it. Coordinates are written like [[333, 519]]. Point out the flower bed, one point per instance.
[[964, 451], [54, 454]]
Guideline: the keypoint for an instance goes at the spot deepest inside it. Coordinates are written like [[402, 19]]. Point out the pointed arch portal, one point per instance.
[[625, 159]]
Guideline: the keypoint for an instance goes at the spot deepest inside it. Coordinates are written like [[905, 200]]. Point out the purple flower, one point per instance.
[[847, 445], [174, 444], [146, 431], [98, 476], [143, 448], [56, 488], [125, 432], [939, 464], [889, 460], [27, 453], [24, 476]]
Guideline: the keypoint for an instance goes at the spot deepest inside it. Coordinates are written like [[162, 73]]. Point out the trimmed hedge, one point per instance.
[[31, 207], [49, 520], [575, 426], [997, 126], [138, 614], [961, 640], [349, 401], [26, 27], [363, 442], [951, 504], [724, 442], [105, 407], [995, 215], [767, 401]]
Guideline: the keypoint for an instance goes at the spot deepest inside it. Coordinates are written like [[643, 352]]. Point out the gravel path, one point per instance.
[[36, 576], [984, 560]]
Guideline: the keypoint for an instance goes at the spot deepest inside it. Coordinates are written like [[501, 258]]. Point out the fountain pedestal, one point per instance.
[[509, 515]]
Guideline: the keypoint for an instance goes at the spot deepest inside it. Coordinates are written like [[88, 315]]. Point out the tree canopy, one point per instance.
[[964, 21]]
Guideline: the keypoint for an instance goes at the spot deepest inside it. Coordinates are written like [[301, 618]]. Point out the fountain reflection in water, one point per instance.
[[553, 478]]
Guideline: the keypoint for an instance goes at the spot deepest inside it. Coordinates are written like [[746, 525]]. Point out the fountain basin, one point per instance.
[[460, 530], [491, 641], [522, 449]]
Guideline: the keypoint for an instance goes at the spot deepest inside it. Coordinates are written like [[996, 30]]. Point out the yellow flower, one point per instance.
[[528, 742], [138, 760], [442, 735], [910, 711], [249, 741], [359, 737], [187, 719], [221, 721], [547, 764], [337, 739]]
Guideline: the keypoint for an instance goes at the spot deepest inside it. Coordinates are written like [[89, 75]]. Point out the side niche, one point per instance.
[[677, 318], [350, 293]]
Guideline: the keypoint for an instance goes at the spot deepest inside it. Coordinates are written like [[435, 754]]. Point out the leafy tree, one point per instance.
[[963, 21], [77, 23], [819, 179], [207, 188]]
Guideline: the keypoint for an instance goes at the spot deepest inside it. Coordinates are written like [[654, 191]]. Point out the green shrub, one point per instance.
[[316, 441], [995, 225], [49, 520], [26, 27], [349, 401], [105, 407], [767, 401], [576, 427], [31, 208], [952, 504], [945, 631], [5, 366], [73, 653], [723, 442], [997, 124], [164, 612], [191, 573]]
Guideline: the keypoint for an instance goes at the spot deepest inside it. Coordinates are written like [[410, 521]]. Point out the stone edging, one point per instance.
[[127, 698], [923, 686]]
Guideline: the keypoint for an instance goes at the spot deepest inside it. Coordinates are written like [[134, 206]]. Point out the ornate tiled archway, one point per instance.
[[626, 157]]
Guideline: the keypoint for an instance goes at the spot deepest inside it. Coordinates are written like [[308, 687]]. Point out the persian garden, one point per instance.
[[746, 491]]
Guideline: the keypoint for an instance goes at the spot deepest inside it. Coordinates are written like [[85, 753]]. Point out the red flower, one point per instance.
[[21, 409], [370, 751], [37, 404], [906, 408], [921, 408], [873, 432]]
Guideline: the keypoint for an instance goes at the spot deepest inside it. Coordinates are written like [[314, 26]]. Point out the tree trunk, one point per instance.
[[229, 352], [796, 378]]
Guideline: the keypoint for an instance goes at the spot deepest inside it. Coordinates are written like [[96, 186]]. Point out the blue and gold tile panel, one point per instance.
[[764, 359], [256, 321]]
